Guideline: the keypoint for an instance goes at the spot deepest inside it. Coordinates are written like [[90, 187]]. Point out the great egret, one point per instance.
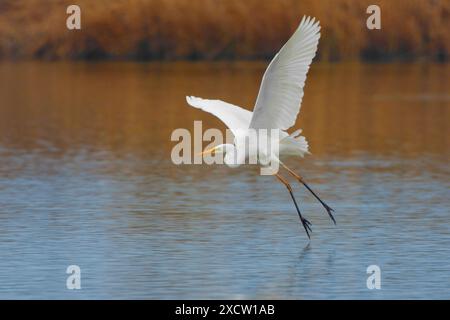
[[277, 106]]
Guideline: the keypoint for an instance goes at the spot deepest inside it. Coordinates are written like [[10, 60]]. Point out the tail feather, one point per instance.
[[294, 144]]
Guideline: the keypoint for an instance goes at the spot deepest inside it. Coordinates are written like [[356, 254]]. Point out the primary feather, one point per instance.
[[281, 91], [234, 117]]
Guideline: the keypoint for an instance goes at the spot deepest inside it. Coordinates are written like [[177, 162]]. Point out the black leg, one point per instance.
[[306, 224], [300, 179]]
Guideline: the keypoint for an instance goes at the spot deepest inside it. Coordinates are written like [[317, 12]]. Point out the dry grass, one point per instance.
[[220, 29]]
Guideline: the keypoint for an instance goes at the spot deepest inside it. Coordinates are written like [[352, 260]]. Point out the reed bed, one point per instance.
[[221, 29]]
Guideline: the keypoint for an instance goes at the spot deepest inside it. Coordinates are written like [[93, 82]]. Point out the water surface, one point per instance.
[[86, 179]]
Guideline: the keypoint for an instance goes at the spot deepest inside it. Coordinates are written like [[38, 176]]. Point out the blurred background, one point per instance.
[[221, 29], [86, 176]]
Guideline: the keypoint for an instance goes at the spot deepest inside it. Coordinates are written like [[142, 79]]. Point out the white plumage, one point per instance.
[[280, 94], [281, 91]]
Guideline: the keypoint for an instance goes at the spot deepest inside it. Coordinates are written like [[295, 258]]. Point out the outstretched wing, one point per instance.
[[233, 116], [281, 91]]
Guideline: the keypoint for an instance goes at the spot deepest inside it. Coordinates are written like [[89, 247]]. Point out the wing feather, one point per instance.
[[281, 91], [234, 117]]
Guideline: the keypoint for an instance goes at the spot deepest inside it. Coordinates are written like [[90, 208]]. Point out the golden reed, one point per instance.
[[221, 29]]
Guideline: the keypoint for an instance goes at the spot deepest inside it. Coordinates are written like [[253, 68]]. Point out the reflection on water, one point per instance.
[[86, 179]]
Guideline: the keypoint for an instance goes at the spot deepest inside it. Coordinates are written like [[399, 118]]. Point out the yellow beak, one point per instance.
[[207, 151]]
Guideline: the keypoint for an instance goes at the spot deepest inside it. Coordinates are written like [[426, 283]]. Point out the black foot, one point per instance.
[[330, 210], [307, 226]]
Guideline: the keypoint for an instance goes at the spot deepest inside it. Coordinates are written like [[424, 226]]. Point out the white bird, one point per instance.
[[277, 106]]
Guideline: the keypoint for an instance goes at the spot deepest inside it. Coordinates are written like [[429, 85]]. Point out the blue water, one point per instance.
[[140, 227]]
